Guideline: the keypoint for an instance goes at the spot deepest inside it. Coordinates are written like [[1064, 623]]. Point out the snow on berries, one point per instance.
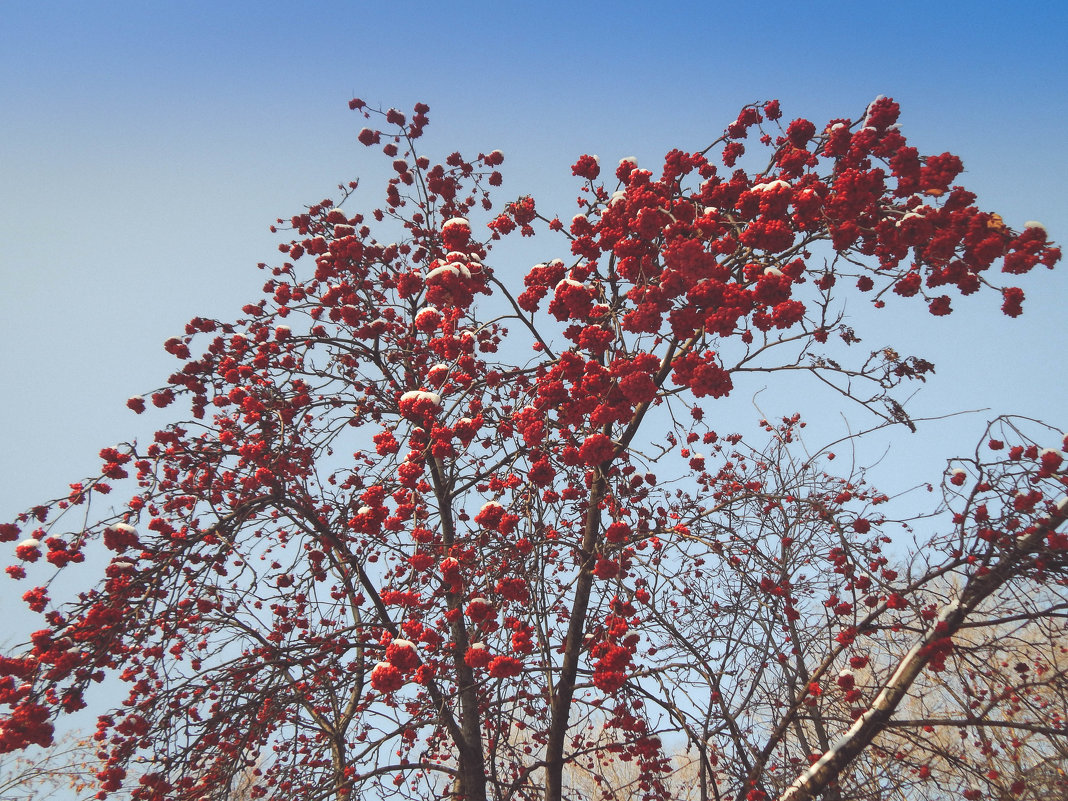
[[418, 404]]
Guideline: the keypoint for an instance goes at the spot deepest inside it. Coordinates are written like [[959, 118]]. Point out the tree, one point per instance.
[[984, 714], [65, 767], [408, 545]]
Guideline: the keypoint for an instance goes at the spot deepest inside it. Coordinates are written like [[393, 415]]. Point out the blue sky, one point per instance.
[[146, 147]]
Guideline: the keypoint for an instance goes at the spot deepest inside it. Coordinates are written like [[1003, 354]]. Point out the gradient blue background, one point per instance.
[[146, 147]]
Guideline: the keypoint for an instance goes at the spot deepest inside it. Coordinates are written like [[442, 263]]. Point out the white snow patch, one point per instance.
[[867, 111], [442, 270], [420, 394], [569, 282], [913, 215], [771, 185]]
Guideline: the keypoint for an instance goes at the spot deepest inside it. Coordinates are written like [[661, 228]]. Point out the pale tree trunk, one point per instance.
[[859, 736]]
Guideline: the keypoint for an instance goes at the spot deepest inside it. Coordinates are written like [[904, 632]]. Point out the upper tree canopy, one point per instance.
[[434, 529]]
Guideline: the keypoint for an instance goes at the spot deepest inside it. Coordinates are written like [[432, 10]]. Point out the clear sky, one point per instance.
[[146, 147]]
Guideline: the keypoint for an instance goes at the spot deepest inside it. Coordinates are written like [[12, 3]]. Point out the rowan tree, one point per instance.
[[66, 769], [432, 529]]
